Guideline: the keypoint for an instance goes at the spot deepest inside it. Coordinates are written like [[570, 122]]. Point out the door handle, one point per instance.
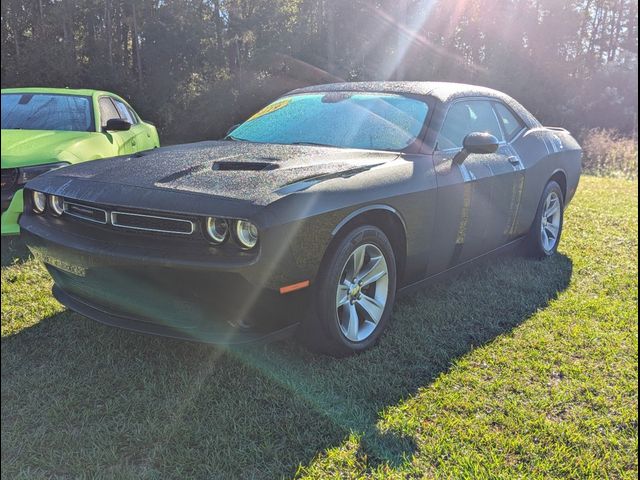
[[513, 160]]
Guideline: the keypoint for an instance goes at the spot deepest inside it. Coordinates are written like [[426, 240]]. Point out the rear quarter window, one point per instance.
[[125, 112], [511, 123]]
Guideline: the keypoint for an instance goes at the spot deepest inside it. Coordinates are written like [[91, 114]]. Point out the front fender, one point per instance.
[[366, 209], [302, 225]]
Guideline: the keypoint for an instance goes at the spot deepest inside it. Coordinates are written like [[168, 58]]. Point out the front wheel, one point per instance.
[[354, 293], [546, 230]]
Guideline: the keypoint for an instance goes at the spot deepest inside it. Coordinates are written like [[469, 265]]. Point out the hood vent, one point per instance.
[[244, 166]]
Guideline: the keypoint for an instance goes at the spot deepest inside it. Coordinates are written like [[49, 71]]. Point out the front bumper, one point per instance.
[[11, 215], [201, 299], [232, 336]]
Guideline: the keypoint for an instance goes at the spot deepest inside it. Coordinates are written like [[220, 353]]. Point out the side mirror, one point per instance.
[[117, 125], [477, 142]]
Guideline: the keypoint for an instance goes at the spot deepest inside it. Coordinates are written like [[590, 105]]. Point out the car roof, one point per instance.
[[87, 92], [441, 91]]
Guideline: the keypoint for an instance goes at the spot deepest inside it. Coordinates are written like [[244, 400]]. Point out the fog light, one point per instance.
[[56, 204], [246, 234], [217, 229], [39, 201]]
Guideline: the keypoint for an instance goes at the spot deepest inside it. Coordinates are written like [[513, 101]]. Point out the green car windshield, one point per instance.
[[340, 119], [40, 111]]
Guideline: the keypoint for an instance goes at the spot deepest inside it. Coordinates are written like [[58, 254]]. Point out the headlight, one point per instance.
[[39, 201], [56, 204], [217, 229], [29, 173], [246, 234]]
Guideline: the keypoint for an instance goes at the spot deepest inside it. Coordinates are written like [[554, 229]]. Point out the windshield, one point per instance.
[[341, 119], [39, 111]]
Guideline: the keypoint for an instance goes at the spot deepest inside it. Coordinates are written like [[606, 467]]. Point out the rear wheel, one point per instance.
[[354, 293], [546, 230]]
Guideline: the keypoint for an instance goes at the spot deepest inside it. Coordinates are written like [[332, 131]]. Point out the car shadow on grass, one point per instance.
[[79, 397], [14, 251]]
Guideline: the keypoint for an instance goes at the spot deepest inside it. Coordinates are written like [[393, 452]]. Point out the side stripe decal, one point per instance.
[[464, 222]]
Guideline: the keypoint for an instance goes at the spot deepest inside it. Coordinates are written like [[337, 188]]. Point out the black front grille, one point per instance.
[[134, 221], [86, 212], [151, 223]]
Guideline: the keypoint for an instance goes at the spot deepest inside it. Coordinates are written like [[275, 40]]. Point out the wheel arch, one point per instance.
[[560, 177], [387, 219]]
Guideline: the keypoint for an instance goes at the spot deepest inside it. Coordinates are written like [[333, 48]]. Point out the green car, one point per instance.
[[48, 128]]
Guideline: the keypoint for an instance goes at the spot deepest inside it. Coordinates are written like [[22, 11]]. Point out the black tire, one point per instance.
[[534, 245], [321, 331]]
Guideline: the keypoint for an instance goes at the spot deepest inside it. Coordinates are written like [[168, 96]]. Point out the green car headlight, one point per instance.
[[29, 173]]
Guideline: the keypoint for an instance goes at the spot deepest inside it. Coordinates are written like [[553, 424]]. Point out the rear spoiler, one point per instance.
[[557, 129]]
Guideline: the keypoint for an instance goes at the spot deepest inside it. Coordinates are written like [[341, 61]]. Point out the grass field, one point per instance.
[[514, 369]]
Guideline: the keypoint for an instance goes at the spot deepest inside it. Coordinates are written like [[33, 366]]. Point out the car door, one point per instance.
[[509, 175], [469, 211], [140, 136], [123, 142]]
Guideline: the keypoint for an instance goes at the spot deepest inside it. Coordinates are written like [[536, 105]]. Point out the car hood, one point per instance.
[[21, 148], [250, 172]]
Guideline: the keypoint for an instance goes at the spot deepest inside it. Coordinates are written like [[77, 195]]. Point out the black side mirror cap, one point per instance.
[[477, 142], [117, 125]]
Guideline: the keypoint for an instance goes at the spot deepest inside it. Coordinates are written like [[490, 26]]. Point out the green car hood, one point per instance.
[[22, 148]]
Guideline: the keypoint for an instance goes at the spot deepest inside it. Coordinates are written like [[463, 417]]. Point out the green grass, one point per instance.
[[514, 369]]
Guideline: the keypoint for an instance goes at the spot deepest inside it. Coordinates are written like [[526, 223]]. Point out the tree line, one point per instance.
[[195, 67]]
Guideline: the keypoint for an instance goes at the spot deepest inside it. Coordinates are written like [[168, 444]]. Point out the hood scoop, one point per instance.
[[221, 165], [251, 166]]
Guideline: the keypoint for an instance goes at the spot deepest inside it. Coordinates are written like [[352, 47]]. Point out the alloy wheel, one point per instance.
[[362, 292], [551, 219]]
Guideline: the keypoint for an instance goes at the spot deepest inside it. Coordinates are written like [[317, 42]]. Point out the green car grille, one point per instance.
[[9, 184]]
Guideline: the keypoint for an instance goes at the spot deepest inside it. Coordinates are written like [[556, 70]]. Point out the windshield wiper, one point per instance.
[[236, 139], [313, 144]]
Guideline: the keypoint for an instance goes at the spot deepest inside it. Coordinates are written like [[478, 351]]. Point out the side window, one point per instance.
[[134, 115], [466, 117], [124, 111], [511, 123], [107, 111]]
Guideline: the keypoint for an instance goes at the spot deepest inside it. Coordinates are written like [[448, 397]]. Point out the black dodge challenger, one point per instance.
[[310, 216]]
